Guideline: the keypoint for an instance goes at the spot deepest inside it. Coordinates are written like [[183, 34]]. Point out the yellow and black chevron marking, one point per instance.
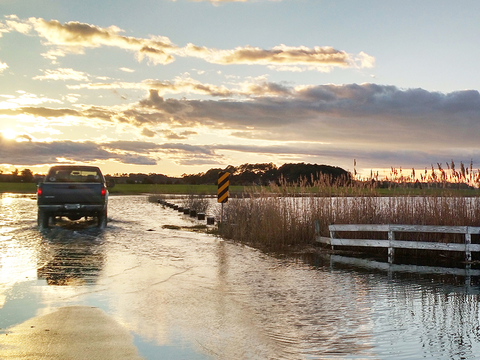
[[223, 182]]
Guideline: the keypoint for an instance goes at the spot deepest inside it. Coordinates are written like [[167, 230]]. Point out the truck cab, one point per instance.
[[73, 191]]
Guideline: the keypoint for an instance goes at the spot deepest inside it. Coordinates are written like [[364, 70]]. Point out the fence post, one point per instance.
[[468, 241], [317, 227], [391, 249], [332, 235]]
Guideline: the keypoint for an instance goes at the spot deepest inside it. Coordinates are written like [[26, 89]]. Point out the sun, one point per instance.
[[9, 134]]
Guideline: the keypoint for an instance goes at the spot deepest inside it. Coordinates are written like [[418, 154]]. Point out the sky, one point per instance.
[[180, 87]]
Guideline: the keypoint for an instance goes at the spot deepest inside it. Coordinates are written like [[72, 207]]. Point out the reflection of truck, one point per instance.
[[72, 191]]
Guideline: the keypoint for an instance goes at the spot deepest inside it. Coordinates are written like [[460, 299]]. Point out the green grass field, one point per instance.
[[23, 188], [127, 189], [132, 189]]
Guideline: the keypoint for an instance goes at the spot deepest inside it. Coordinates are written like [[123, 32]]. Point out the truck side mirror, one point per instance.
[[111, 183]]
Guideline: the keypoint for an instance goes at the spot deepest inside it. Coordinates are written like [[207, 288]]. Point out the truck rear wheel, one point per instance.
[[102, 219], [43, 219]]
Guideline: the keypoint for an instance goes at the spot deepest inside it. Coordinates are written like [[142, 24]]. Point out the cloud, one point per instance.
[[84, 113], [320, 153], [148, 133], [378, 115], [190, 155], [29, 152], [198, 161], [41, 112], [348, 120], [24, 99], [191, 86], [72, 98], [319, 58], [366, 157], [171, 135], [192, 149], [3, 67], [136, 159], [331, 111], [124, 69], [179, 85], [131, 146], [74, 37], [349, 100], [13, 23], [63, 74], [367, 113], [42, 153]]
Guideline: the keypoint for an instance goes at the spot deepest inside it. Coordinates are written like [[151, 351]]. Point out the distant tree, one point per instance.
[[26, 175], [14, 177], [311, 172], [147, 180], [210, 177], [248, 174]]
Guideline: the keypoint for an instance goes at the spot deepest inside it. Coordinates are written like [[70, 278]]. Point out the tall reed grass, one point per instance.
[[282, 217], [198, 202]]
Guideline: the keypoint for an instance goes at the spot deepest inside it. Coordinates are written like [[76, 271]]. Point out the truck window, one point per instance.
[[91, 175]]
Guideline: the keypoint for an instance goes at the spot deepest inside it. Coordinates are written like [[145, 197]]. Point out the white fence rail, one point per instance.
[[391, 244]]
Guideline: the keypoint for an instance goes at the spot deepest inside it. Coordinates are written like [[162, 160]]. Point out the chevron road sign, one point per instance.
[[223, 182]]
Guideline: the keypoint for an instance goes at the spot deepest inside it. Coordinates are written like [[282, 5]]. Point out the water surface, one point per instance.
[[185, 294]]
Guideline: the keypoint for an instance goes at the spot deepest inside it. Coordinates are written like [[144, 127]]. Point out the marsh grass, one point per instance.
[[282, 217], [198, 202]]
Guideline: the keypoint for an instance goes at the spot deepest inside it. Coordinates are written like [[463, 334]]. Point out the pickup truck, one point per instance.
[[72, 191]]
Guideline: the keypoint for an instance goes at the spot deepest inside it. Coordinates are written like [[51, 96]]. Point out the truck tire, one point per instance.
[[43, 219], [102, 219]]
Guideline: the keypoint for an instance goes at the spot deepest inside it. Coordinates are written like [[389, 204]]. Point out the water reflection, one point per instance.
[[71, 262], [433, 312], [191, 295]]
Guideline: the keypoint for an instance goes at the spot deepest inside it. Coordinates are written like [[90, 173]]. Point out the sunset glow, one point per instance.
[[9, 134], [183, 86]]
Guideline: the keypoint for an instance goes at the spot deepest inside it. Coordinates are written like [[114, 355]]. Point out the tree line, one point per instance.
[[26, 175], [267, 173], [245, 174]]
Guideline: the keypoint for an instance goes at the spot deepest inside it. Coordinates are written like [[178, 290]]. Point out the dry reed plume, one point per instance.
[[282, 216]]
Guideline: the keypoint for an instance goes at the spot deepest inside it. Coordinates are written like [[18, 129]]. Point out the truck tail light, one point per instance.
[[103, 192], [39, 191]]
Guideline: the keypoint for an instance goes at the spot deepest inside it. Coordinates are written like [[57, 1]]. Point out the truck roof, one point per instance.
[[78, 167]]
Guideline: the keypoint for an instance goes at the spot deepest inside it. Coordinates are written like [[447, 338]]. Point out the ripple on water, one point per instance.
[[174, 288]]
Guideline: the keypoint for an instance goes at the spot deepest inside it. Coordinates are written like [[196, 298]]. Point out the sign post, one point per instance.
[[222, 192]]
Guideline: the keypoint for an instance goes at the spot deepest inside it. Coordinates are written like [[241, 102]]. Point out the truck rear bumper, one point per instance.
[[66, 209]]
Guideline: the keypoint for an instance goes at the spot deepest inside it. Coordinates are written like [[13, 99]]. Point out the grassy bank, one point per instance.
[[23, 188], [126, 189], [132, 189], [245, 191]]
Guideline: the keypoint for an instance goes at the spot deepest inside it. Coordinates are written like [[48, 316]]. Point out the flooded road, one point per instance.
[[181, 294]]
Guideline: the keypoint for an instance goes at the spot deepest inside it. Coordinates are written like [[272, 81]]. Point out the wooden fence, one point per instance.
[[391, 244]]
